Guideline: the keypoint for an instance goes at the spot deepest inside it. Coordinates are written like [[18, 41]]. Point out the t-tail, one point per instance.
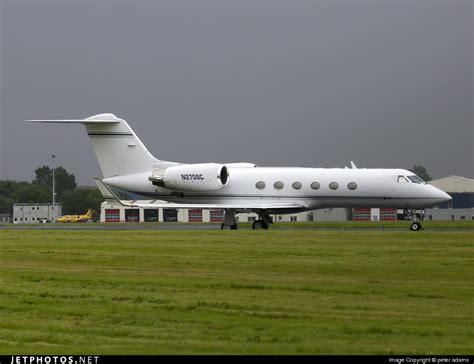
[[118, 149]]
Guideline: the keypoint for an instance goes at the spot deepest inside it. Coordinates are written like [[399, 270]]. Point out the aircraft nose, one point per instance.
[[441, 195]]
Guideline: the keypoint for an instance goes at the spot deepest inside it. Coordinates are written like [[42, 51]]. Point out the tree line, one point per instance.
[[73, 200]]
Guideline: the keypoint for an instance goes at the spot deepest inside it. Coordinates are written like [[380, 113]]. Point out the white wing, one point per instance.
[[112, 198]]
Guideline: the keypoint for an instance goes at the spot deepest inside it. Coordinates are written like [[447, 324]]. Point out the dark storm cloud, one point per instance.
[[385, 83]]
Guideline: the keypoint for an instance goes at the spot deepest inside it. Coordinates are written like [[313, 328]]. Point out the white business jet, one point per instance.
[[242, 187]]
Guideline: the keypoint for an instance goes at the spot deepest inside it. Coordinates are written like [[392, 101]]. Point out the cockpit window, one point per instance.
[[402, 179], [415, 179]]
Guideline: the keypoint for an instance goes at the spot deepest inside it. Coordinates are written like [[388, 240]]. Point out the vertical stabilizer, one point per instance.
[[118, 149]]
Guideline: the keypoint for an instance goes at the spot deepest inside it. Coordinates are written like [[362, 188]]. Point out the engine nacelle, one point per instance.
[[192, 177]]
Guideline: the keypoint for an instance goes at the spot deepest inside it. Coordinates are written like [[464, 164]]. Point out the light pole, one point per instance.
[[54, 185]]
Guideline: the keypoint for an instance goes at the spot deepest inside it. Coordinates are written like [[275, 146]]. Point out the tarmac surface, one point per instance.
[[91, 226], [197, 226]]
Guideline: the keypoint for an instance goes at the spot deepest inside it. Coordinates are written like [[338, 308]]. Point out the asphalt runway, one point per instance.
[[188, 227], [111, 227]]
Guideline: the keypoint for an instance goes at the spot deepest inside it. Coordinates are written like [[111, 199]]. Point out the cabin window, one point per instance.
[[402, 179], [278, 185], [415, 179], [333, 186], [260, 185], [315, 185], [352, 185], [296, 185]]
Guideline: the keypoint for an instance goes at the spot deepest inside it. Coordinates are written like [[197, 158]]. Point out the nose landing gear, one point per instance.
[[415, 224]]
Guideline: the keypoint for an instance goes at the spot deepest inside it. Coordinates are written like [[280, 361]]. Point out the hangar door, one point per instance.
[[150, 215], [195, 215], [216, 215], [170, 215], [112, 215], [132, 215]]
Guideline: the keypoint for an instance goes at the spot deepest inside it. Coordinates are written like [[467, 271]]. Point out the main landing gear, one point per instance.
[[231, 224], [415, 224], [229, 221], [263, 222]]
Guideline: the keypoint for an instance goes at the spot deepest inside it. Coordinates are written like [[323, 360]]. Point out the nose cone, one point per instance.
[[440, 196]]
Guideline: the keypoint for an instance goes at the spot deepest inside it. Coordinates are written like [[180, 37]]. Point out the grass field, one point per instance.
[[254, 292]]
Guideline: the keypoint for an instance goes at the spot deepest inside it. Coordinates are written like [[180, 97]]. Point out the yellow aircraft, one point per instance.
[[76, 218]]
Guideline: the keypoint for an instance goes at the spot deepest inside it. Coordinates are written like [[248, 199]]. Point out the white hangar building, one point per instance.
[[461, 207], [118, 213]]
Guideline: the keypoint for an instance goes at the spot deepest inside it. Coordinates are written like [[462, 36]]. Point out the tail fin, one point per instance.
[[118, 149]]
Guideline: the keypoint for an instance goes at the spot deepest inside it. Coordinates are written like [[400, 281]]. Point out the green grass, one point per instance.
[[253, 292], [458, 224]]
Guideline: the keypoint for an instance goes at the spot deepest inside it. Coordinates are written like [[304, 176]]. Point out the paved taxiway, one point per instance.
[[111, 227], [184, 227]]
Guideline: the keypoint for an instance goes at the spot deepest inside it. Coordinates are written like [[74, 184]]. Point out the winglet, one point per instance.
[[109, 195]]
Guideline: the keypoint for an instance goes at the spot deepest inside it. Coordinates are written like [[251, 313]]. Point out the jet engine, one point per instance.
[[192, 177]]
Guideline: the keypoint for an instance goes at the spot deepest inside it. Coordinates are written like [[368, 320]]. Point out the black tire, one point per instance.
[[227, 227], [259, 224], [416, 226]]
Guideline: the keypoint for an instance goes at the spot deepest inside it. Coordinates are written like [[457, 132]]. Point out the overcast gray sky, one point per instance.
[[279, 83]]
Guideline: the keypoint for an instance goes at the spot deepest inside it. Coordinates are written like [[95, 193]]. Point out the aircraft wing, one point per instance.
[[112, 198]]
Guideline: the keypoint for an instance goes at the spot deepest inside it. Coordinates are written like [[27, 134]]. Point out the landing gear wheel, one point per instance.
[[228, 227], [415, 226], [259, 224]]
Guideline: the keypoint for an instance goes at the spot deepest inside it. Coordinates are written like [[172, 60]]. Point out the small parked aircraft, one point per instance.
[[241, 187], [76, 218]]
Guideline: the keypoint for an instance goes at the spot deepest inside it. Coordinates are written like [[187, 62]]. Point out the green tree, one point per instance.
[[421, 172], [6, 205], [31, 193], [63, 180], [79, 200], [8, 187]]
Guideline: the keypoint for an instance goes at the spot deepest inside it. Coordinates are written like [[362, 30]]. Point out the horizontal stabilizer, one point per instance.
[[93, 120], [72, 121]]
